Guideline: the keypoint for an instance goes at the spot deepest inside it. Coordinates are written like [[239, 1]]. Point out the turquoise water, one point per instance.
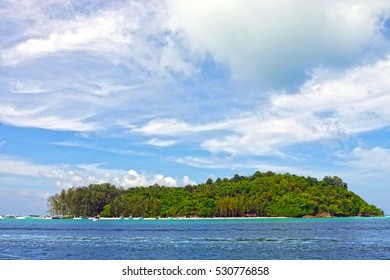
[[337, 238]]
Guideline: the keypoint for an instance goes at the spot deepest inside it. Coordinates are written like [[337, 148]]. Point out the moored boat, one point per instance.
[[96, 218]]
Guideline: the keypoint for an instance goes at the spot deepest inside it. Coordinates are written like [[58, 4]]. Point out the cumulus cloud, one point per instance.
[[187, 181], [258, 40], [66, 176], [83, 175], [276, 41]]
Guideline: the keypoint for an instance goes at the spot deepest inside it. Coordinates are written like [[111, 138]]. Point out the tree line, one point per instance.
[[259, 195]]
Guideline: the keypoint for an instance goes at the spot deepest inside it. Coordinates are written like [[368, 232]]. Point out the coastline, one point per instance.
[[36, 217]]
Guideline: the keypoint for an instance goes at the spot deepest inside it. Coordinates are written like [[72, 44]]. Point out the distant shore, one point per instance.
[[44, 217], [128, 218]]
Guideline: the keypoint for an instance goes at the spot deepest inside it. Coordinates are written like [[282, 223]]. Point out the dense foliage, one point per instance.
[[262, 194]]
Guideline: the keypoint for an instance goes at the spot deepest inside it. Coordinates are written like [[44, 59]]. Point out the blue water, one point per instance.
[[337, 238]]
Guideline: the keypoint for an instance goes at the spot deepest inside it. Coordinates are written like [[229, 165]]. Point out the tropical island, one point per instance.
[[260, 195]]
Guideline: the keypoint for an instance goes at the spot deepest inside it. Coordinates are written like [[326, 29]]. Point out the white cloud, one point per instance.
[[83, 175], [187, 181], [356, 98], [234, 164], [175, 127], [367, 159], [273, 41], [165, 181], [162, 143], [165, 127], [66, 103], [130, 33], [95, 64], [43, 118], [17, 166], [155, 40], [27, 86], [328, 106], [100, 33], [134, 179]]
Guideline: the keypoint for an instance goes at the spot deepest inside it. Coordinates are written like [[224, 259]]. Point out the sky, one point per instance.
[[175, 92]]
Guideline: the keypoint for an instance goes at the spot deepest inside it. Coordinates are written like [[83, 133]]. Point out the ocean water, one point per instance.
[[186, 239]]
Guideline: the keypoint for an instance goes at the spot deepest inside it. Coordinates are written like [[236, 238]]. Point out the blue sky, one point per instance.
[[174, 92]]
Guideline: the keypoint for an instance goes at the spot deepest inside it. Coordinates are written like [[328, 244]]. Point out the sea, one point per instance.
[[355, 238]]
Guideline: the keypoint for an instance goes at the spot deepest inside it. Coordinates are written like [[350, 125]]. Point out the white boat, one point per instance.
[[1, 217], [96, 219]]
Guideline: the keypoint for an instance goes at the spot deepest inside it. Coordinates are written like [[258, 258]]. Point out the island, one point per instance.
[[263, 194]]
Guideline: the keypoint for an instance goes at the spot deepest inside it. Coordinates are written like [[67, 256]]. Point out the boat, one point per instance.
[[1, 217], [96, 218]]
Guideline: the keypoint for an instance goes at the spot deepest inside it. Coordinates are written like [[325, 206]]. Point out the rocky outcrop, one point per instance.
[[320, 215]]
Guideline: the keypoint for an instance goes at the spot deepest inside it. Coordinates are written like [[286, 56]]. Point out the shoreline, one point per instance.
[[37, 217]]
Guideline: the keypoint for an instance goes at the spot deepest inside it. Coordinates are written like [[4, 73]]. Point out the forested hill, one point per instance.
[[262, 195]]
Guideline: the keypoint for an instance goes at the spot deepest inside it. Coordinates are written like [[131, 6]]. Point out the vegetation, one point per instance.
[[262, 194]]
